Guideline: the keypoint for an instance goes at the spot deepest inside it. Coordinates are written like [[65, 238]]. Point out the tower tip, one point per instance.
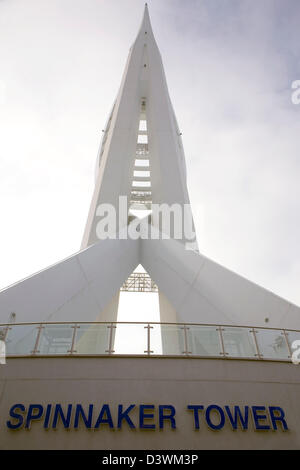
[[146, 18]]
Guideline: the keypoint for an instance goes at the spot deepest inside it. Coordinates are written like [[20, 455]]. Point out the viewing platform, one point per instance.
[[148, 339]]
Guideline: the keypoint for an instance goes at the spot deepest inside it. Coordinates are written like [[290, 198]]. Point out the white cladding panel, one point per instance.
[[202, 291], [77, 288]]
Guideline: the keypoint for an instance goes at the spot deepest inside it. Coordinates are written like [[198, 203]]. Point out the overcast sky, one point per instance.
[[229, 66]]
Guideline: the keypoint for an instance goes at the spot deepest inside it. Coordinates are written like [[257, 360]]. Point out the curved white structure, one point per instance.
[[60, 353], [142, 157]]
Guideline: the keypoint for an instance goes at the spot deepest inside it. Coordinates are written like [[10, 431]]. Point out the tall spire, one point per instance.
[[192, 288], [146, 23], [143, 95]]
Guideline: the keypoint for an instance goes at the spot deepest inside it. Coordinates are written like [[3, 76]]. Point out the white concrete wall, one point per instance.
[[126, 380]]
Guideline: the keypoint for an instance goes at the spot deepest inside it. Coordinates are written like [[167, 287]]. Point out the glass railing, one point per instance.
[[148, 339]]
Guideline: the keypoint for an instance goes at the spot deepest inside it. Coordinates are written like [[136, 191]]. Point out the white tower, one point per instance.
[[224, 379], [142, 157], [141, 134]]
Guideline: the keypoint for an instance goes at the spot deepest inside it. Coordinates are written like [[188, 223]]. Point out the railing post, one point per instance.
[[285, 334], [72, 350], [259, 356], [185, 338], [220, 329], [35, 349], [148, 350], [6, 330], [110, 350]]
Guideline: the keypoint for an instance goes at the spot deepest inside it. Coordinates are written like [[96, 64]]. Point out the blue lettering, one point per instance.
[[219, 410], [17, 416], [58, 413], [257, 418], [47, 416], [238, 417], [144, 416], [79, 412], [31, 416], [102, 420], [264, 418], [274, 417], [169, 417], [196, 409], [124, 415]]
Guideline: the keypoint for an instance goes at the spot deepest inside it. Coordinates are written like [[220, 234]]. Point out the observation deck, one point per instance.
[[148, 339]]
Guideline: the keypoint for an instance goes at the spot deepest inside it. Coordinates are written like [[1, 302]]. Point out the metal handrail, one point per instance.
[[225, 344], [227, 325]]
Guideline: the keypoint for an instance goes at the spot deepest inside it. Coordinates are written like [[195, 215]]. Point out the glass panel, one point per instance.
[[172, 338], [238, 342], [141, 184], [93, 338], [131, 338], [21, 339], [142, 162], [204, 340], [272, 344], [293, 336], [143, 125], [56, 339], [141, 173], [156, 339], [142, 139]]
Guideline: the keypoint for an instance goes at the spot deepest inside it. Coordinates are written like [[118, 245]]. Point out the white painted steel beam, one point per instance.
[[201, 290], [77, 288]]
